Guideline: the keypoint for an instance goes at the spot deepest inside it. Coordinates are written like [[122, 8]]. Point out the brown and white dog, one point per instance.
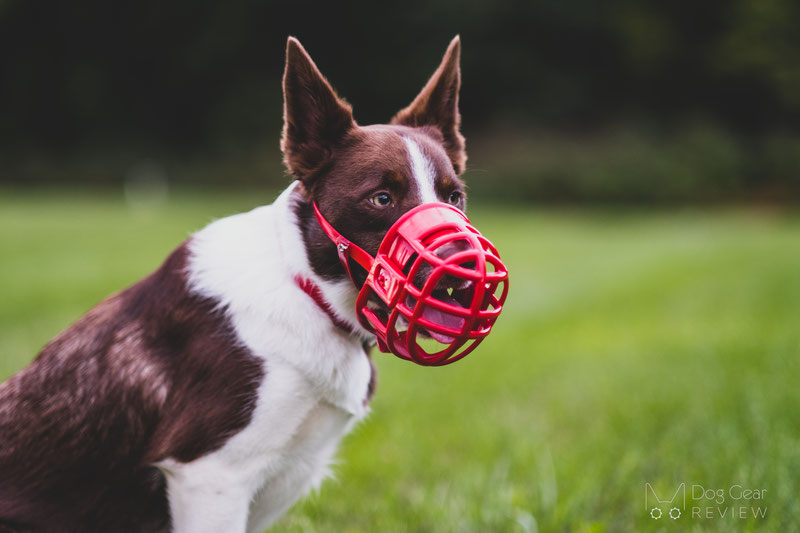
[[211, 395]]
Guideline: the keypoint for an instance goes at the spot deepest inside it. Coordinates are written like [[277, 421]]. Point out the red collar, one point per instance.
[[313, 290]]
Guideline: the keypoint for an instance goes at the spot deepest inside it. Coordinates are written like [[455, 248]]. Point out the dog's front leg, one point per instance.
[[202, 501]]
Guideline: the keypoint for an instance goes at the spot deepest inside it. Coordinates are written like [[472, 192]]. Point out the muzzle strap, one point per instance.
[[346, 249]]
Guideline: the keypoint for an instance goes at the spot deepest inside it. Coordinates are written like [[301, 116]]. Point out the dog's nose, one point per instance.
[[451, 248], [444, 252]]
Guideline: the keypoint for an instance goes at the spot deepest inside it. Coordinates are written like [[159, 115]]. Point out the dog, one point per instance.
[[212, 394]]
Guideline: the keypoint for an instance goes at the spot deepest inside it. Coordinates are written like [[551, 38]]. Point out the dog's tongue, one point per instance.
[[442, 318]]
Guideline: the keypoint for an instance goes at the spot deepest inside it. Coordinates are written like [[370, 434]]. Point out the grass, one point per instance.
[[635, 348]]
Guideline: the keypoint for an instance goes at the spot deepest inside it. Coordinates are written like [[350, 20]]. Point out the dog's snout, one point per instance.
[[451, 248], [445, 252]]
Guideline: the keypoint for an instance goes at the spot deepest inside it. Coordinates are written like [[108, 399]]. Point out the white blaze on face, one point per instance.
[[422, 170]]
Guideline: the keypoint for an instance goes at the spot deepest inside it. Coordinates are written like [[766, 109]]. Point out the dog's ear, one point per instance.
[[314, 117], [437, 105]]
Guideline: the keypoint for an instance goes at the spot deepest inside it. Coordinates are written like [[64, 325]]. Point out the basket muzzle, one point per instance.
[[434, 289]]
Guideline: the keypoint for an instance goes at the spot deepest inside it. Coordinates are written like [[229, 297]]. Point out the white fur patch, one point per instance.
[[316, 377], [423, 171]]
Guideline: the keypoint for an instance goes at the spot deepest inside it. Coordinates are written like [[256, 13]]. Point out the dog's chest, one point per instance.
[[317, 379], [291, 441], [280, 455], [300, 462]]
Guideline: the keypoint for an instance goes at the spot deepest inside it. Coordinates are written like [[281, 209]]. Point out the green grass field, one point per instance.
[[635, 348]]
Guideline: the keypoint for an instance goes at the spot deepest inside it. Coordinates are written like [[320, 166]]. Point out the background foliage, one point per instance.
[[645, 340], [635, 348], [571, 101]]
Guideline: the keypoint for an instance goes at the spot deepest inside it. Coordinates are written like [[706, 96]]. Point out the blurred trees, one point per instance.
[[186, 78]]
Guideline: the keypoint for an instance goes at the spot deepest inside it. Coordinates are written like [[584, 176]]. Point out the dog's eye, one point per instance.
[[455, 197], [381, 199]]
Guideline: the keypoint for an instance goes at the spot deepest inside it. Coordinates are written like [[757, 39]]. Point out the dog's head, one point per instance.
[[365, 177]]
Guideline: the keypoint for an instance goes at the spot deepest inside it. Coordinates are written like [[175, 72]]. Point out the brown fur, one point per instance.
[[437, 106], [314, 117], [150, 372], [341, 164], [155, 371]]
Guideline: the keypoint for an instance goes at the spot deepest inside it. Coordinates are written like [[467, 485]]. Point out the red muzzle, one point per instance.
[[442, 283]]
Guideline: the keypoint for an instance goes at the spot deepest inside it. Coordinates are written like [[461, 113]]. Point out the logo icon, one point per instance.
[[654, 503]]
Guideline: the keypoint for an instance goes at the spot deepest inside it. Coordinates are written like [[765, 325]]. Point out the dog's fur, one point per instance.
[[212, 394]]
